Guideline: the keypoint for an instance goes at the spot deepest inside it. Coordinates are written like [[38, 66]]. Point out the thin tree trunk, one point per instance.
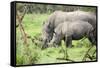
[[20, 18]]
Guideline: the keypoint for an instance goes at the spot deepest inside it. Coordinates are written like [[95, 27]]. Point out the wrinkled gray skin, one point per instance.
[[59, 17], [72, 31]]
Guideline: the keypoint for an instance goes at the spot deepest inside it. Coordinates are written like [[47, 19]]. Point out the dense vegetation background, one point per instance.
[[29, 20]]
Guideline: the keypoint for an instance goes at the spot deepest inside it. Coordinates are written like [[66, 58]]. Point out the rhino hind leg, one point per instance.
[[92, 39]]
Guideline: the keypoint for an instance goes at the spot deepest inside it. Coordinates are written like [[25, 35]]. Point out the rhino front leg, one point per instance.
[[68, 41], [45, 45], [56, 41]]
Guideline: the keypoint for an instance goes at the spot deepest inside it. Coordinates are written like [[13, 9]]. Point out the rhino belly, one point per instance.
[[77, 36]]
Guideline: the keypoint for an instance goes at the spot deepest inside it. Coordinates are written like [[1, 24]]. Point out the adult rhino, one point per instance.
[[59, 17], [73, 31]]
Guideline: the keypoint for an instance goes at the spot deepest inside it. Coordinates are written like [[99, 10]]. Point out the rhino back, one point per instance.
[[83, 16], [79, 29], [59, 17]]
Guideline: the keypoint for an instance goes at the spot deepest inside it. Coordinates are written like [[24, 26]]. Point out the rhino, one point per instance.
[[59, 17], [72, 31]]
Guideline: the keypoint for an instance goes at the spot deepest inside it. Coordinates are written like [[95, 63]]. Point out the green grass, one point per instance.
[[32, 54], [33, 23]]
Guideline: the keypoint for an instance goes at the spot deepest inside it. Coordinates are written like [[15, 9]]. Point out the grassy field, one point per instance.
[[33, 54]]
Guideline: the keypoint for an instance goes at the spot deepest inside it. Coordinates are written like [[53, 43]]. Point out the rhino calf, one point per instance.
[[72, 31]]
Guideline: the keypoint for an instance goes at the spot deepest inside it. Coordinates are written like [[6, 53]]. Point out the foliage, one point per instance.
[[45, 8]]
